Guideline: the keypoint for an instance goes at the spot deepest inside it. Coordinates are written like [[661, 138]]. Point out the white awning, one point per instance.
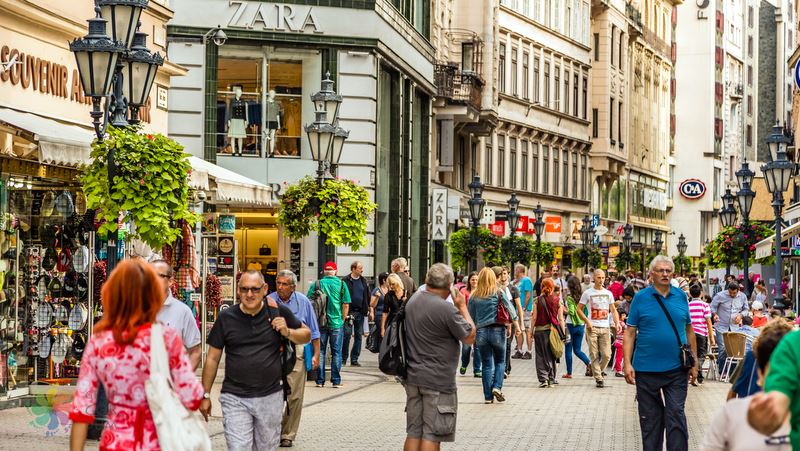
[[228, 185], [766, 247], [60, 143]]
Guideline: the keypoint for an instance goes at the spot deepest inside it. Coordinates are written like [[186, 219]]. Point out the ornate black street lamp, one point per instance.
[[681, 251], [326, 140], [777, 175], [745, 196], [538, 226], [657, 242], [512, 217], [587, 237], [727, 218], [476, 204]]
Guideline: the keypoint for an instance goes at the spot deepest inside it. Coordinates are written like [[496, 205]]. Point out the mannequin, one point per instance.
[[274, 113], [237, 121]]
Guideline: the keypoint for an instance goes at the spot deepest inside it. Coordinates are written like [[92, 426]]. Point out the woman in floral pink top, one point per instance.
[[118, 356]]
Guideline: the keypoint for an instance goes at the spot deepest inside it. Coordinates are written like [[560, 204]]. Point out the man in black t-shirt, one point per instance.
[[251, 333]]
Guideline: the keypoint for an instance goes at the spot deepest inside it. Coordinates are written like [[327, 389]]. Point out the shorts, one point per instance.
[[430, 414], [526, 317]]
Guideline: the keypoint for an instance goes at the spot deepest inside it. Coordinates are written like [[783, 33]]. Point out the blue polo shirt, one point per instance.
[[656, 348], [525, 286], [302, 309]]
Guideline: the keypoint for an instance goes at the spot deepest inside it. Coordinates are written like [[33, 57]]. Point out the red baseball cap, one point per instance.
[[331, 266]]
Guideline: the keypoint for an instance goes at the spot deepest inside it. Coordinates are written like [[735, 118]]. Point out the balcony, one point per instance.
[[458, 87], [735, 90], [657, 43], [635, 26]]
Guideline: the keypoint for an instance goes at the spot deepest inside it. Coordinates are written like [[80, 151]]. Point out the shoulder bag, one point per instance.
[[288, 354], [503, 317], [685, 355], [557, 336], [177, 428]]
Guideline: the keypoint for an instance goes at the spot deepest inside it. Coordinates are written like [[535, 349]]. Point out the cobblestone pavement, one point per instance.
[[367, 414]]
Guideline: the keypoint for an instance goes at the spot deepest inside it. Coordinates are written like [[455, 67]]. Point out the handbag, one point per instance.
[[685, 355], [177, 428], [557, 336], [503, 316], [264, 250]]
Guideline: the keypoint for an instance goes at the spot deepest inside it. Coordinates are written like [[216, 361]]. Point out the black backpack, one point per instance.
[[288, 355], [392, 356], [319, 300]]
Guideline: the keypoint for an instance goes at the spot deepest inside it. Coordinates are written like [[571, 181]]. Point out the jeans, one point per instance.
[[657, 415], [334, 337], [702, 350], [252, 423], [357, 331], [476, 360], [492, 344], [574, 345]]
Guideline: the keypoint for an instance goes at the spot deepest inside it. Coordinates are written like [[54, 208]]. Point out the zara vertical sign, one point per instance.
[[439, 216]]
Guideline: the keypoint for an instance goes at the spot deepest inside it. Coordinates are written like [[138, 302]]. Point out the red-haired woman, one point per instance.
[[118, 356], [548, 313]]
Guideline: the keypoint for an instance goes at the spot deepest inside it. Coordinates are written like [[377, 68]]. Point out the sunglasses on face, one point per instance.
[[250, 289]]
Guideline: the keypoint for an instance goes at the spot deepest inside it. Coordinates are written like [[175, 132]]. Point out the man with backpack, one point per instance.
[[331, 301], [358, 311], [253, 334], [433, 336]]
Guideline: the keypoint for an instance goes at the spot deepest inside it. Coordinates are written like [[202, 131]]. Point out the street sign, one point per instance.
[[600, 230], [595, 220], [488, 216], [636, 245], [439, 219]]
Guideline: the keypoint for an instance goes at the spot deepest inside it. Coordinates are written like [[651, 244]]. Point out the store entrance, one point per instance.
[[257, 238]]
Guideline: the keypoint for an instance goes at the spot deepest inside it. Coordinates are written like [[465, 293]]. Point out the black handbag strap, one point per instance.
[[669, 318]]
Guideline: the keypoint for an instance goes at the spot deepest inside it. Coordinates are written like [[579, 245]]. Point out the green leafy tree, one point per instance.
[[543, 253], [150, 186], [339, 209], [581, 256]]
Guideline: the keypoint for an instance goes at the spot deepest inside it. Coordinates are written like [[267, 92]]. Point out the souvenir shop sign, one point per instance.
[[225, 256], [273, 17]]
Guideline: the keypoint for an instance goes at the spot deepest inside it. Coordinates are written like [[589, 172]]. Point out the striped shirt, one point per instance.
[[699, 311]]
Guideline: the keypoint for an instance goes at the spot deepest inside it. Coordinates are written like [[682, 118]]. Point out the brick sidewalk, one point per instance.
[[367, 414]]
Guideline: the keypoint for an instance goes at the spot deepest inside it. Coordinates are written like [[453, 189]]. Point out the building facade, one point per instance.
[[244, 105]]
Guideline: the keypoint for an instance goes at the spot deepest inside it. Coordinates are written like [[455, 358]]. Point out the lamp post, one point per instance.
[[777, 175], [587, 236], [745, 196], [512, 217], [681, 250], [727, 218], [657, 242], [476, 204], [326, 140], [538, 226], [627, 238]]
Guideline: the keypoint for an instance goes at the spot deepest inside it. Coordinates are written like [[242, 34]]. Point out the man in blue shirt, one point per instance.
[[359, 310], [526, 298], [301, 307], [655, 369]]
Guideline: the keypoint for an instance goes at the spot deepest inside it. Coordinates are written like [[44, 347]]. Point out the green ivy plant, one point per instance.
[[151, 185], [463, 246], [339, 209], [625, 260], [543, 253], [581, 256]]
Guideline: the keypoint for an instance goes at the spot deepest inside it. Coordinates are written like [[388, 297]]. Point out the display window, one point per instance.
[[259, 107]]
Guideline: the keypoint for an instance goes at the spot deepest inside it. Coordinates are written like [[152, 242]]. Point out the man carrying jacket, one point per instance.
[[359, 309]]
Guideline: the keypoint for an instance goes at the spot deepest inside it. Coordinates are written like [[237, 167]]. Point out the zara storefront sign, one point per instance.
[[272, 17], [439, 219], [692, 189]]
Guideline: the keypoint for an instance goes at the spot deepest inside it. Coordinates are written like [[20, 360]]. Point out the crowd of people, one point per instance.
[[272, 340]]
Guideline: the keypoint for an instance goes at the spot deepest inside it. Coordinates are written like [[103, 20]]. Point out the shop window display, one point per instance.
[[259, 107]]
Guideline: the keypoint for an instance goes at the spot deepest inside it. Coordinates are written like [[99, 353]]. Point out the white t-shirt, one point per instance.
[[599, 302], [178, 316], [730, 431]]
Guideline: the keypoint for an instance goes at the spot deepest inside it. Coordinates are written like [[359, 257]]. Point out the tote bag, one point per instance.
[[178, 429]]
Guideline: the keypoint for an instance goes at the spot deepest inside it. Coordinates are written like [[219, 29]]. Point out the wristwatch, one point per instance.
[[206, 395]]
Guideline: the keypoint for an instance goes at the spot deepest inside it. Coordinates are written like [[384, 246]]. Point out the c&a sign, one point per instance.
[[692, 189]]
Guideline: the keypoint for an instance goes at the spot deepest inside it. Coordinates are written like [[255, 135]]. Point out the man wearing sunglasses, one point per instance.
[[178, 315], [251, 333]]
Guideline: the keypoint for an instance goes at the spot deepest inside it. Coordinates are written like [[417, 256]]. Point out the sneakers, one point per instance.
[[567, 376], [543, 384], [699, 382], [527, 356], [694, 383], [552, 382], [355, 364], [618, 374], [478, 374], [320, 385], [462, 370], [488, 401], [604, 374], [338, 385], [599, 384], [517, 355], [498, 395]]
